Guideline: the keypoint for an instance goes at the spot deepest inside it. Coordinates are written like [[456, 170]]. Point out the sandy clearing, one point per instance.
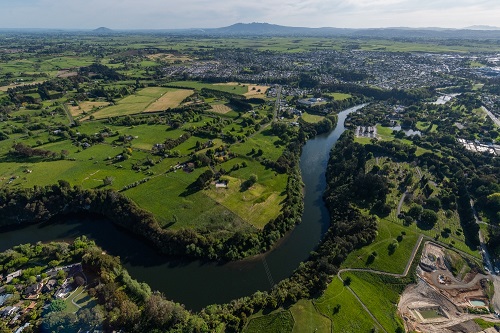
[[170, 99]]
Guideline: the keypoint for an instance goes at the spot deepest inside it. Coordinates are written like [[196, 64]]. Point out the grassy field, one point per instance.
[[239, 89], [221, 108], [258, 204], [277, 322], [170, 99], [177, 209], [339, 96], [308, 319], [380, 294], [344, 310], [137, 103], [385, 260], [85, 107], [312, 118]]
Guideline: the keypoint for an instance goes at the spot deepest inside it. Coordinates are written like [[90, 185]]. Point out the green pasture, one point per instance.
[[176, 207], [132, 104], [339, 96], [308, 319], [312, 118], [230, 88], [343, 309], [270, 145], [380, 294], [276, 322], [385, 260]]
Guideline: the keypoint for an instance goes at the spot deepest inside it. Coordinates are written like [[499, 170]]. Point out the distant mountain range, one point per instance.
[[267, 29], [482, 27]]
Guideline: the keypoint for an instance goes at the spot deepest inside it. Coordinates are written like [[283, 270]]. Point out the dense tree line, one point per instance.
[[99, 71]]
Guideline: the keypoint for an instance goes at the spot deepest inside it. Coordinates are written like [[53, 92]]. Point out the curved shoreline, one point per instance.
[[197, 283]]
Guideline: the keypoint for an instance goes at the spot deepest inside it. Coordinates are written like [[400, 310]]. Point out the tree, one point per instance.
[[429, 218], [108, 180], [415, 211], [57, 305], [204, 179]]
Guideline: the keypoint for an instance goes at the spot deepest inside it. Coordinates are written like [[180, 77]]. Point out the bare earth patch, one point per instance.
[[169, 57], [85, 107], [170, 99], [221, 108], [256, 91]]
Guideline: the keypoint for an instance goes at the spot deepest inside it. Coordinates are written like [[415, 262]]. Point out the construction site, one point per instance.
[[451, 294]]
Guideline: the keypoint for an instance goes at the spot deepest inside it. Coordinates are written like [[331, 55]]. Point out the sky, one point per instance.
[[169, 14]]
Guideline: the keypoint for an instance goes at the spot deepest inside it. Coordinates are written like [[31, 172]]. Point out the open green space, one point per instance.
[[380, 294], [308, 319], [238, 89], [339, 96], [344, 310], [82, 299], [385, 259], [312, 118], [277, 322], [132, 104]]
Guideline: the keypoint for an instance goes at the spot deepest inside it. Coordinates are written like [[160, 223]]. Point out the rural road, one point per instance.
[[492, 116]]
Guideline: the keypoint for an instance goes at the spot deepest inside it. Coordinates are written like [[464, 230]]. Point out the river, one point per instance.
[[194, 283]]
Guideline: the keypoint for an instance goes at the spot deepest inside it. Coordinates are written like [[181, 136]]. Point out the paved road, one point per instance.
[[492, 116]]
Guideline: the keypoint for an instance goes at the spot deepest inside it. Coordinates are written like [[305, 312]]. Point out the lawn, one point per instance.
[[346, 313], [277, 322], [308, 319], [380, 294], [81, 297]]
